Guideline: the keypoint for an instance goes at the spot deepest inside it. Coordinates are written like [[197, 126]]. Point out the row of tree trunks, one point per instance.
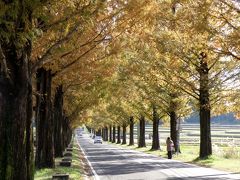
[[112, 133], [155, 138], [105, 134], [53, 131], [15, 111], [44, 121], [99, 132]]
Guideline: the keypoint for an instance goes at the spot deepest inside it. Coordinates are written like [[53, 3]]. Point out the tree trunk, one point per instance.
[[99, 133], [155, 138], [141, 142], [58, 119], [15, 112], [114, 135], [205, 110], [174, 122], [124, 134], [16, 92], [110, 133], [174, 131], [131, 138], [106, 133], [67, 132], [119, 135], [29, 136], [44, 121], [103, 134]]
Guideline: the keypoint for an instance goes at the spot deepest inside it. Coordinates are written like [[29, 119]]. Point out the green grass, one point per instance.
[[75, 171], [190, 155]]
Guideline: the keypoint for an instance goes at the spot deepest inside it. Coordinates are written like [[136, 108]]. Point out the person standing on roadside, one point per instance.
[[170, 147]]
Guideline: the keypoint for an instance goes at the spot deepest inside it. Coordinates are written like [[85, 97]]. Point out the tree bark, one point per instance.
[[15, 112], [174, 123], [44, 121], [205, 109], [106, 133], [110, 133], [119, 135], [67, 132], [29, 135], [141, 142], [103, 134], [99, 132], [174, 131], [124, 134], [155, 138], [16, 150], [114, 135], [131, 134], [58, 120]]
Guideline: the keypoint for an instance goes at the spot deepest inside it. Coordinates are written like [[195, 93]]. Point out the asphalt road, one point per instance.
[[113, 163]]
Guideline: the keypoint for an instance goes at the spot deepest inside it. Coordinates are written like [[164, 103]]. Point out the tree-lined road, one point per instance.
[[114, 163]]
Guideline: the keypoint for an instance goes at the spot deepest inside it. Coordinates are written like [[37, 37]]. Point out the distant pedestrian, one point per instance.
[[170, 147]]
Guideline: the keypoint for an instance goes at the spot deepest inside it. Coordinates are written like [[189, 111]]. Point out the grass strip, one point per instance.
[[190, 155], [75, 171]]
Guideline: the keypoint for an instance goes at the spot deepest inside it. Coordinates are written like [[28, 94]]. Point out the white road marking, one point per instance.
[[96, 177]]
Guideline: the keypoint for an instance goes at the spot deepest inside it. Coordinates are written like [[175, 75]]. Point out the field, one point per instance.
[[190, 134], [225, 143]]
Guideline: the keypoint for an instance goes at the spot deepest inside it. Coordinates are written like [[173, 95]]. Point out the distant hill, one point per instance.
[[226, 119]]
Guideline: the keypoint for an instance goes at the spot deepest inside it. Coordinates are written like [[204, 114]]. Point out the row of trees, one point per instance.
[[183, 58], [51, 59], [102, 62]]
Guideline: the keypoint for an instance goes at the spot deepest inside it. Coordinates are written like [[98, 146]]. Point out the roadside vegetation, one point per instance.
[[226, 150], [109, 65], [225, 158], [75, 171]]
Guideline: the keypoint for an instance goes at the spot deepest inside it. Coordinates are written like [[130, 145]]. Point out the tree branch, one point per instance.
[[48, 53]]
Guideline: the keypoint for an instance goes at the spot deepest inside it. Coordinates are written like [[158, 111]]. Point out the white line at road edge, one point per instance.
[[96, 177]]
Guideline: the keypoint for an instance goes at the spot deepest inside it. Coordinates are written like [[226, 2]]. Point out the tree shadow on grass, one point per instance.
[[206, 162]]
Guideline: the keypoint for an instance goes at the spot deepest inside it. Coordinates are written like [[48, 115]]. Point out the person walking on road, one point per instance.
[[170, 147]]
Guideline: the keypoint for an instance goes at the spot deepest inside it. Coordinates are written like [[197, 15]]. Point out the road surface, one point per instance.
[[113, 163]]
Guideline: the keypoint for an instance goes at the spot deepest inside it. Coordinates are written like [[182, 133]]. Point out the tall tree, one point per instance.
[[44, 121], [118, 134], [155, 138], [141, 140], [114, 134], [58, 121], [131, 131], [110, 133], [124, 127], [16, 89]]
